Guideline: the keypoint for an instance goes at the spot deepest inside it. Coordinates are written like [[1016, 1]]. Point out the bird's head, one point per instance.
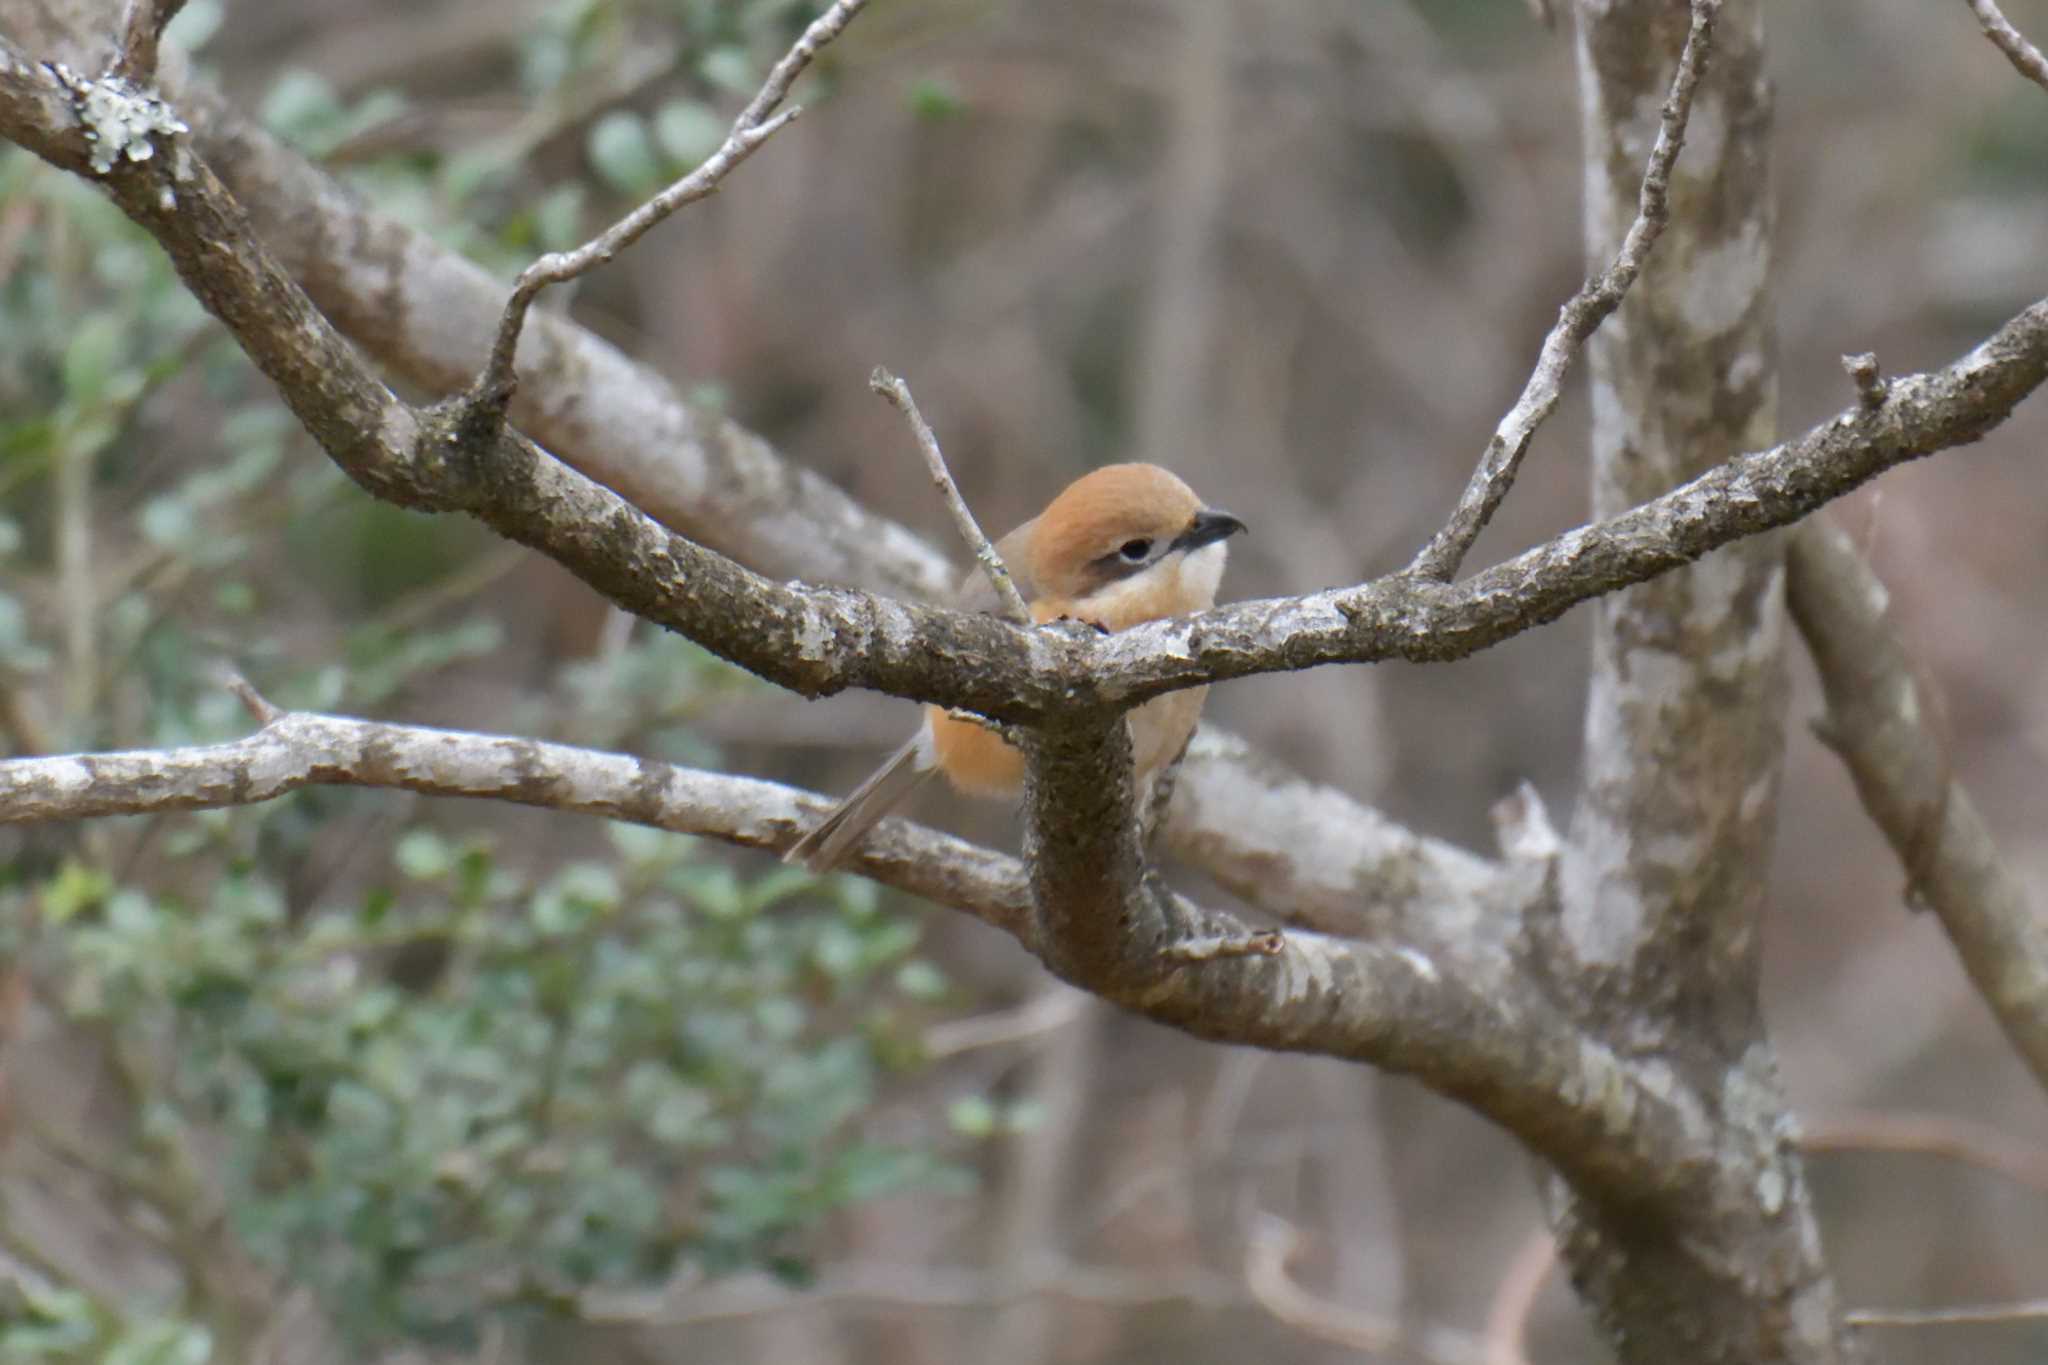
[[1130, 543]]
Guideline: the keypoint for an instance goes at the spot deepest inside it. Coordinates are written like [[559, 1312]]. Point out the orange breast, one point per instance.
[[978, 762]]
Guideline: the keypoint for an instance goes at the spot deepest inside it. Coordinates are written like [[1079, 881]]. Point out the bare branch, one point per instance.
[[1514, 1299], [894, 389], [2024, 1310], [1222, 947], [1877, 722], [755, 125], [415, 306], [1102, 924], [300, 749], [1316, 859], [1044, 1014], [819, 641], [883, 1285], [1268, 1251], [1374, 1001], [1943, 1135], [2024, 56], [142, 28], [1864, 373], [1577, 320]]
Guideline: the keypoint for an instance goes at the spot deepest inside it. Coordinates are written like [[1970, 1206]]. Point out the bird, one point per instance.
[[1121, 545]]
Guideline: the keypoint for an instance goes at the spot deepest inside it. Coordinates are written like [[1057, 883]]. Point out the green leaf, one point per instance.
[[558, 218], [195, 25], [730, 69], [168, 522], [300, 105], [920, 980], [1024, 1116], [423, 855], [75, 888], [972, 1116], [162, 1342], [935, 98], [90, 356], [623, 154], [640, 845], [688, 132], [837, 953]]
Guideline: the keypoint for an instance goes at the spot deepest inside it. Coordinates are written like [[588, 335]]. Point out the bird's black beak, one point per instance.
[[1207, 528]]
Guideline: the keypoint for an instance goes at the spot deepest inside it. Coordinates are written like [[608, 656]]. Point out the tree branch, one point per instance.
[[2024, 56], [1581, 315], [1268, 1251], [1876, 723], [1378, 1002], [897, 392], [2025, 1310], [1100, 923], [296, 749], [1314, 858], [818, 641], [142, 28], [755, 125], [419, 307]]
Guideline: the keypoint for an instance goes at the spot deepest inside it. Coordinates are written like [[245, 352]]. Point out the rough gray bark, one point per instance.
[[1877, 721], [1661, 882]]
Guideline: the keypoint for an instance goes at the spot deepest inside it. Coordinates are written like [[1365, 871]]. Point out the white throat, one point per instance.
[[1188, 577]]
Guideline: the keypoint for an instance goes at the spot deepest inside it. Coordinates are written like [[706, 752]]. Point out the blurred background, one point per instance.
[[359, 1073]]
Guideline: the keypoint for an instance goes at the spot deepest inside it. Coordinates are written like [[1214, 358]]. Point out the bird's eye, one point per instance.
[[1135, 550]]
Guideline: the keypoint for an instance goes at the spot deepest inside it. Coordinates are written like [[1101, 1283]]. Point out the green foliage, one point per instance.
[[426, 1078], [480, 1086], [56, 1326]]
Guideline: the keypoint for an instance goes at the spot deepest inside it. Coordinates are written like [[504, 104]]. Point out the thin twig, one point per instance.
[[1576, 321], [898, 394], [142, 28], [2024, 56], [893, 1286], [1514, 1299], [2023, 1310], [755, 125], [1943, 1135], [1267, 1253], [1223, 947], [1044, 1014], [1865, 373], [255, 703]]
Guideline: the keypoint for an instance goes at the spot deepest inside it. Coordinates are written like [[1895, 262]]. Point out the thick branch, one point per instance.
[[420, 308], [1377, 1002], [818, 641], [1878, 722], [1619, 1134], [1314, 858], [1581, 315]]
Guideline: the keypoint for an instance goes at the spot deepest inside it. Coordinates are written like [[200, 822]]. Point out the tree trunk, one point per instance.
[[1662, 883]]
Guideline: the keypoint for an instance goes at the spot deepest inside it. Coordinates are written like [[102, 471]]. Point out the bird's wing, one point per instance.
[[976, 593]]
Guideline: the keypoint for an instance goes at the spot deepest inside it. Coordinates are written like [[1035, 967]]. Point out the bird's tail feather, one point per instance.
[[826, 843]]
